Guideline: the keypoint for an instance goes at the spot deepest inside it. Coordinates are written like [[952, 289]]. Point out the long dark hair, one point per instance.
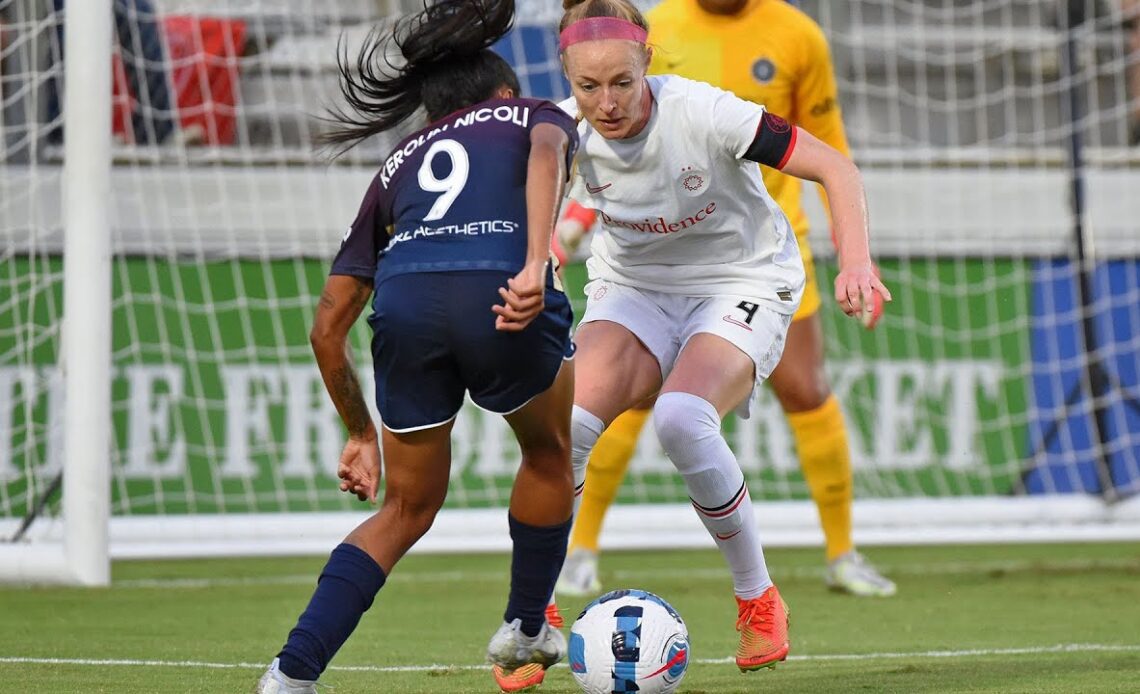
[[447, 66]]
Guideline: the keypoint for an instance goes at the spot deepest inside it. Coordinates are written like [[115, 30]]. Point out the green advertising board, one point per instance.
[[218, 406]]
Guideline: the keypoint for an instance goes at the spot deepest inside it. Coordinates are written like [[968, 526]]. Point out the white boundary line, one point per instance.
[[708, 573], [1037, 650]]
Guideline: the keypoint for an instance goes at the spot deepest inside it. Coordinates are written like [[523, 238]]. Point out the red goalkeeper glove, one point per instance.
[[574, 224]]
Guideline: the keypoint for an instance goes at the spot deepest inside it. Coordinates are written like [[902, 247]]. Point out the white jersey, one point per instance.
[[679, 210]]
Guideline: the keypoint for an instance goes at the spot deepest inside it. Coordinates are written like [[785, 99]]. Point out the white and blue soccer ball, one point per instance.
[[629, 641]]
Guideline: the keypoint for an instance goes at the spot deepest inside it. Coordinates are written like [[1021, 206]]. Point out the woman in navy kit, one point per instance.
[[453, 237]]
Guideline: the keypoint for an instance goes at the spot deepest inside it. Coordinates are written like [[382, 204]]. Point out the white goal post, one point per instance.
[[82, 555]]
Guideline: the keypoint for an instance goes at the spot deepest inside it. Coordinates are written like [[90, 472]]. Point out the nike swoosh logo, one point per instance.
[[595, 190], [728, 536], [730, 319]]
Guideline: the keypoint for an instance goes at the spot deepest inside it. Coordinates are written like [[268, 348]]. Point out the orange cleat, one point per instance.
[[763, 626], [554, 617], [520, 679], [518, 661]]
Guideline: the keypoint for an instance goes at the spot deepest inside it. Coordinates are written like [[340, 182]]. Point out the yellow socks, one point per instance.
[[821, 442], [604, 473]]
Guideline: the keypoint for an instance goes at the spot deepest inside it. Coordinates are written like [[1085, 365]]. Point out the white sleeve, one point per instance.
[[731, 121], [569, 106]]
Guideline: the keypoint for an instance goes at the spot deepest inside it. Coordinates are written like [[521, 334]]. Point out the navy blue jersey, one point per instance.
[[452, 196]]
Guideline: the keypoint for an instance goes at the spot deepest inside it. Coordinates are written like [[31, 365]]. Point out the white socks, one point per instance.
[[585, 429], [689, 430]]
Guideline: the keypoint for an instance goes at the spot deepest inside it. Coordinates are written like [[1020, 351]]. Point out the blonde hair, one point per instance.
[[575, 10]]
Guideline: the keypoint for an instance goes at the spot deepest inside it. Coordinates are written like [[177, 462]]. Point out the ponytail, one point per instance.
[[446, 64]]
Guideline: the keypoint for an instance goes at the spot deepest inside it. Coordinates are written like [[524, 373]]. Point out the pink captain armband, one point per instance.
[[599, 28]]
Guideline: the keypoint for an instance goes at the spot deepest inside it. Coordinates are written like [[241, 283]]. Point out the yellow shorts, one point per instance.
[[809, 305]]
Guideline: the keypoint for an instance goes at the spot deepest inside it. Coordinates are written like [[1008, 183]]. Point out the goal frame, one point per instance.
[[77, 547], [81, 556]]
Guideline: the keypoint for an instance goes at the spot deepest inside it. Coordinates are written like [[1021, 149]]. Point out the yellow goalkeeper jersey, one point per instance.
[[770, 53]]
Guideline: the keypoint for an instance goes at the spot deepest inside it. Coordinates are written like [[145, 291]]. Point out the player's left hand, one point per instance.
[[861, 293], [523, 298], [871, 318], [359, 468]]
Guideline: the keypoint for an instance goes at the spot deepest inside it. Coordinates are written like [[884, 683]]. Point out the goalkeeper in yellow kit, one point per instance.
[[769, 52]]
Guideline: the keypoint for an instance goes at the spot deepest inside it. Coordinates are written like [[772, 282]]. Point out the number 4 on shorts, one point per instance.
[[749, 309]]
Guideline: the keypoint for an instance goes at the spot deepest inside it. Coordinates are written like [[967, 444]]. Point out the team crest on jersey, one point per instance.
[[693, 181], [763, 70]]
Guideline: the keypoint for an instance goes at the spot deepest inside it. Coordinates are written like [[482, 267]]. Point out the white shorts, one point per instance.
[[665, 323]]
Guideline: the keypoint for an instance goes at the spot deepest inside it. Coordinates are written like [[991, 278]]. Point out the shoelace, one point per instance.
[[759, 612]]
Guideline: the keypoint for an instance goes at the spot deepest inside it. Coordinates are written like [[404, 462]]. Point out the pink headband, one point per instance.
[[597, 28]]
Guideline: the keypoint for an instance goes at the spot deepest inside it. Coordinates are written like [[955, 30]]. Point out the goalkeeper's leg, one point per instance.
[[416, 466], [604, 473], [820, 432]]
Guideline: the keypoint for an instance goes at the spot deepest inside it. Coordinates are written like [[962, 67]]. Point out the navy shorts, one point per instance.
[[434, 337]]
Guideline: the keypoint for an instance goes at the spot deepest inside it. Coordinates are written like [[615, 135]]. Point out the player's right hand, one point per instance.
[[359, 468], [523, 298]]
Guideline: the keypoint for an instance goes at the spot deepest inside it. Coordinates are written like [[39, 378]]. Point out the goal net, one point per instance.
[[997, 399]]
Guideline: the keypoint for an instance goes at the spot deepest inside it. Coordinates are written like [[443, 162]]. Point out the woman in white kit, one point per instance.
[[695, 273]]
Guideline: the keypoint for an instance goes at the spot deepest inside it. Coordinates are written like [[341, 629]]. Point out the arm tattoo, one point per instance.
[[345, 390], [361, 296], [335, 361]]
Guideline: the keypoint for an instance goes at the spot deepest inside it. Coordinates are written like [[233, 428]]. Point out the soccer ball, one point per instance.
[[629, 641]]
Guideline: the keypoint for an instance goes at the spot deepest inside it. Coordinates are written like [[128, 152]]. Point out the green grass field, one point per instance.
[[1028, 618]]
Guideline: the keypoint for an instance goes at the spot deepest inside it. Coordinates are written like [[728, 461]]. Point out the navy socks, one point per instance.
[[351, 579], [345, 590], [535, 562]]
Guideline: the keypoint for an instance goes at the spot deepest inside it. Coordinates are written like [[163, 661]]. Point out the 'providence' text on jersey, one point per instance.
[[681, 208], [452, 196]]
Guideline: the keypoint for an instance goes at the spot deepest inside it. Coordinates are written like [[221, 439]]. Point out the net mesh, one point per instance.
[[994, 373]]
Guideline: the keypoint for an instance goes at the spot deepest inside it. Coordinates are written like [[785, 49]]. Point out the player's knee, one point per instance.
[[546, 444], [806, 393], [416, 512], [551, 459], [682, 420]]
